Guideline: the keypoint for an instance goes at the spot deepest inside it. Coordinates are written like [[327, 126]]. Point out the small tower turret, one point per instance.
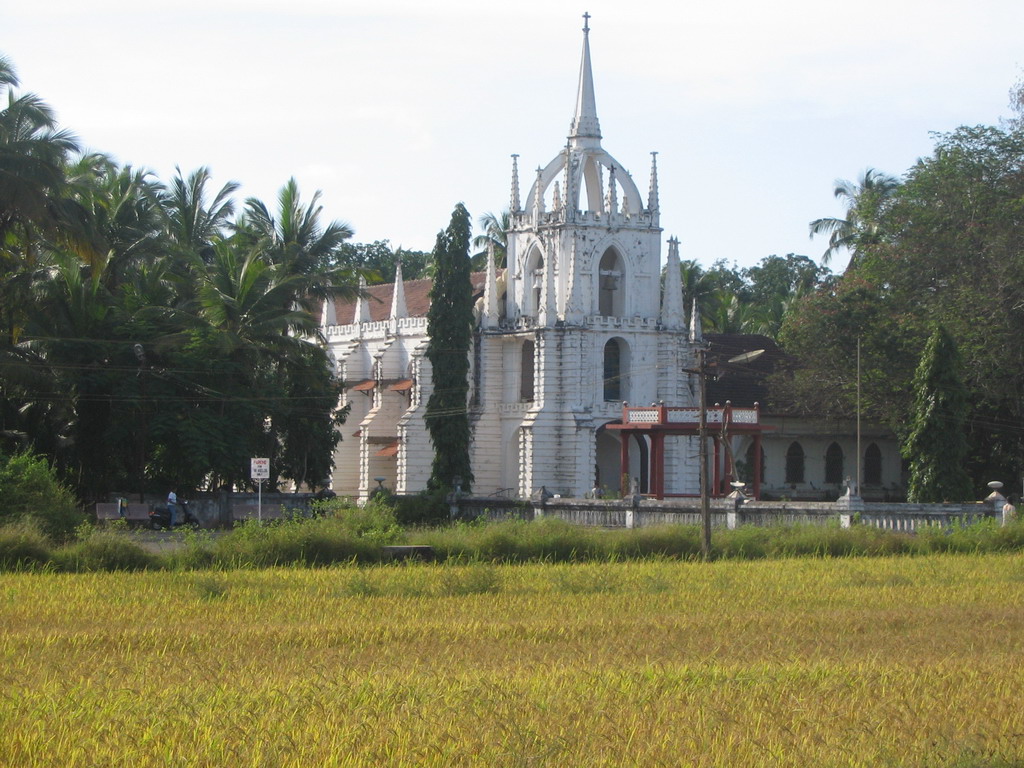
[[672, 313]]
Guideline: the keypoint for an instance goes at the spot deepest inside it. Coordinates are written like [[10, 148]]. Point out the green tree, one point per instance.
[[865, 203], [936, 445], [377, 261], [952, 254], [450, 329]]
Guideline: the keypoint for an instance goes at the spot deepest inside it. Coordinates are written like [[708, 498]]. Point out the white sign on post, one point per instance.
[[259, 470]]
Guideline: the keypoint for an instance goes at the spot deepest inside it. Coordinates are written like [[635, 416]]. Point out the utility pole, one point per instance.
[[701, 372], [705, 496]]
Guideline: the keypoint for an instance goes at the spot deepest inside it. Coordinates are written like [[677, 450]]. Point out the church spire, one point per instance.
[[584, 123]]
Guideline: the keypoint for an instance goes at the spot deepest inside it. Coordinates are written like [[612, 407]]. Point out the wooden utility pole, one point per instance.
[[705, 496]]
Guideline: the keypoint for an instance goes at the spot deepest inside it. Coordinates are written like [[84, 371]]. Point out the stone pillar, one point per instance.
[[734, 517], [849, 504], [998, 502]]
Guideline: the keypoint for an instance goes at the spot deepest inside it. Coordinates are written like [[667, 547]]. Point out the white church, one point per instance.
[[577, 325]]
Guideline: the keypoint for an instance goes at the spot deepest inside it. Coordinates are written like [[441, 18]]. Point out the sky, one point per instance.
[[398, 109]]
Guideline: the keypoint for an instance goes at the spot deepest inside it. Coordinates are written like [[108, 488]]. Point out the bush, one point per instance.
[[357, 535], [425, 508], [196, 552], [105, 551], [29, 489], [23, 546]]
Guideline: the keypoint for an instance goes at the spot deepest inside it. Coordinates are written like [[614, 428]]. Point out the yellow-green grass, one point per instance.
[[866, 662]]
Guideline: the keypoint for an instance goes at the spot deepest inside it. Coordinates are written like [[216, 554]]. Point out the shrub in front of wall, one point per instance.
[[516, 541], [317, 541], [30, 489], [23, 546], [425, 508], [105, 551]]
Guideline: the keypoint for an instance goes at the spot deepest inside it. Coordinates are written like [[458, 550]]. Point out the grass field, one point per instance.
[[804, 662]]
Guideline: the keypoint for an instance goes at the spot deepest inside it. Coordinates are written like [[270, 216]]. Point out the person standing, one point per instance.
[[1009, 511], [172, 506]]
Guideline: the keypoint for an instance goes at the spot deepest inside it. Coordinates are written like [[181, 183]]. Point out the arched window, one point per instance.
[[747, 470], [795, 463], [834, 464], [873, 465], [526, 372], [611, 294], [616, 370]]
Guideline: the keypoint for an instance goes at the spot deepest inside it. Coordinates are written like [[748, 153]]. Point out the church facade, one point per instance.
[[576, 324]]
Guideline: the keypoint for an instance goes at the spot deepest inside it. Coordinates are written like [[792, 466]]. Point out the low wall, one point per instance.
[[642, 512], [222, 509]]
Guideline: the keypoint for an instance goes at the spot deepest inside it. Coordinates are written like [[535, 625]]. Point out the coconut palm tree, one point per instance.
[[865, 201], [495, 233], [34, 209], [299, 245], [32, 154]]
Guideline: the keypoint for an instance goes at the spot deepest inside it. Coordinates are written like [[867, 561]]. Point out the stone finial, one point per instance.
[[490, 311], [514, 205], [398, 308], [696, 332], [538, 195], [362, 304], [652, 194], [612, 199], [571, 195]]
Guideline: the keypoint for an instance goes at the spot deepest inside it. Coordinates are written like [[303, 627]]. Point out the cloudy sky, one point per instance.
[[398, 109]]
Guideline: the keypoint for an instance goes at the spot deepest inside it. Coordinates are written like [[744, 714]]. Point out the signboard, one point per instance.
[[260, 469]]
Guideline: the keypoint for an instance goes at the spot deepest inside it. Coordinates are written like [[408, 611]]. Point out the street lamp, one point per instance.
[[702, 431]]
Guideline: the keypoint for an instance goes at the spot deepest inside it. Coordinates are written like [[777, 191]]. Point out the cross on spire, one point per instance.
[[584, 124]]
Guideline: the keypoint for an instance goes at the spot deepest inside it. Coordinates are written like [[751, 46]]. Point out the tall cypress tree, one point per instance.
[[450, 328], [937, 443]]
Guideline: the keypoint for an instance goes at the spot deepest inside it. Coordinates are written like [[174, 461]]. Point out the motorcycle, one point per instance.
[[160, 517]]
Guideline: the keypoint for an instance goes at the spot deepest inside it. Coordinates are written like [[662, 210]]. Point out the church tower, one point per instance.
[[582, 325]]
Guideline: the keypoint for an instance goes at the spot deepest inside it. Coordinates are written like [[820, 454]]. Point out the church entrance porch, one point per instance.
[[651, 425]]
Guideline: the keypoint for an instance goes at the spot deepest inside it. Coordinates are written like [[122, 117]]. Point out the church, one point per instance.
[[576, 326]]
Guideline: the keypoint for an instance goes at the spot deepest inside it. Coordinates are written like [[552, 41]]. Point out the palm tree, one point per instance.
[[299, 245], [193, 224], [495, 233], [865, 202], [32, 155], [124, 214], [698, 285], [34, 209]]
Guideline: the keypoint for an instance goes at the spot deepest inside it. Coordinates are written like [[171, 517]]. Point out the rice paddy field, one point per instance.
[[908, 661]]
